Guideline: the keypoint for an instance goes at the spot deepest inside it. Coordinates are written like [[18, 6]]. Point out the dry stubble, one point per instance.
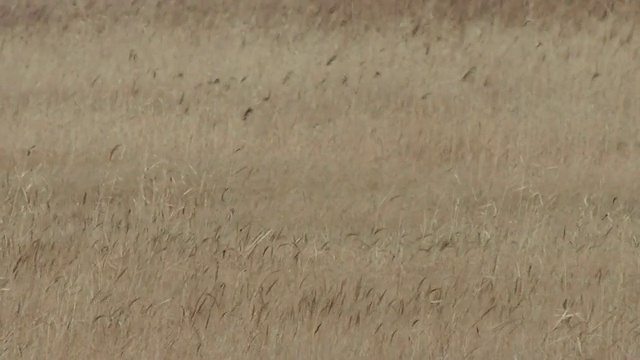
[[197, 188]]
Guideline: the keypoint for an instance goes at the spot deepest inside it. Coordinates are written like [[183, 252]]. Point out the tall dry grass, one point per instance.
[[229, 182]]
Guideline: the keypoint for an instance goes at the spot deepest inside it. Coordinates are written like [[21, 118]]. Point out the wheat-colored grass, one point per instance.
[[255, 180]]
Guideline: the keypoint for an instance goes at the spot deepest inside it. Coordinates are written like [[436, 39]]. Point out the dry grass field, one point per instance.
[[285, 179]]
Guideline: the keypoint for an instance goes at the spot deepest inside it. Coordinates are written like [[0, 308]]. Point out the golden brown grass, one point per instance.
[[213, 186]]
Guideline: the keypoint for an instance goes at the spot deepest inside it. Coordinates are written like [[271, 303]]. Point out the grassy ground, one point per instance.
[[255, 180]]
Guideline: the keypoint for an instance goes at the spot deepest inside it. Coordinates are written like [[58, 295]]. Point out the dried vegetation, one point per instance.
[[319, 179]]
